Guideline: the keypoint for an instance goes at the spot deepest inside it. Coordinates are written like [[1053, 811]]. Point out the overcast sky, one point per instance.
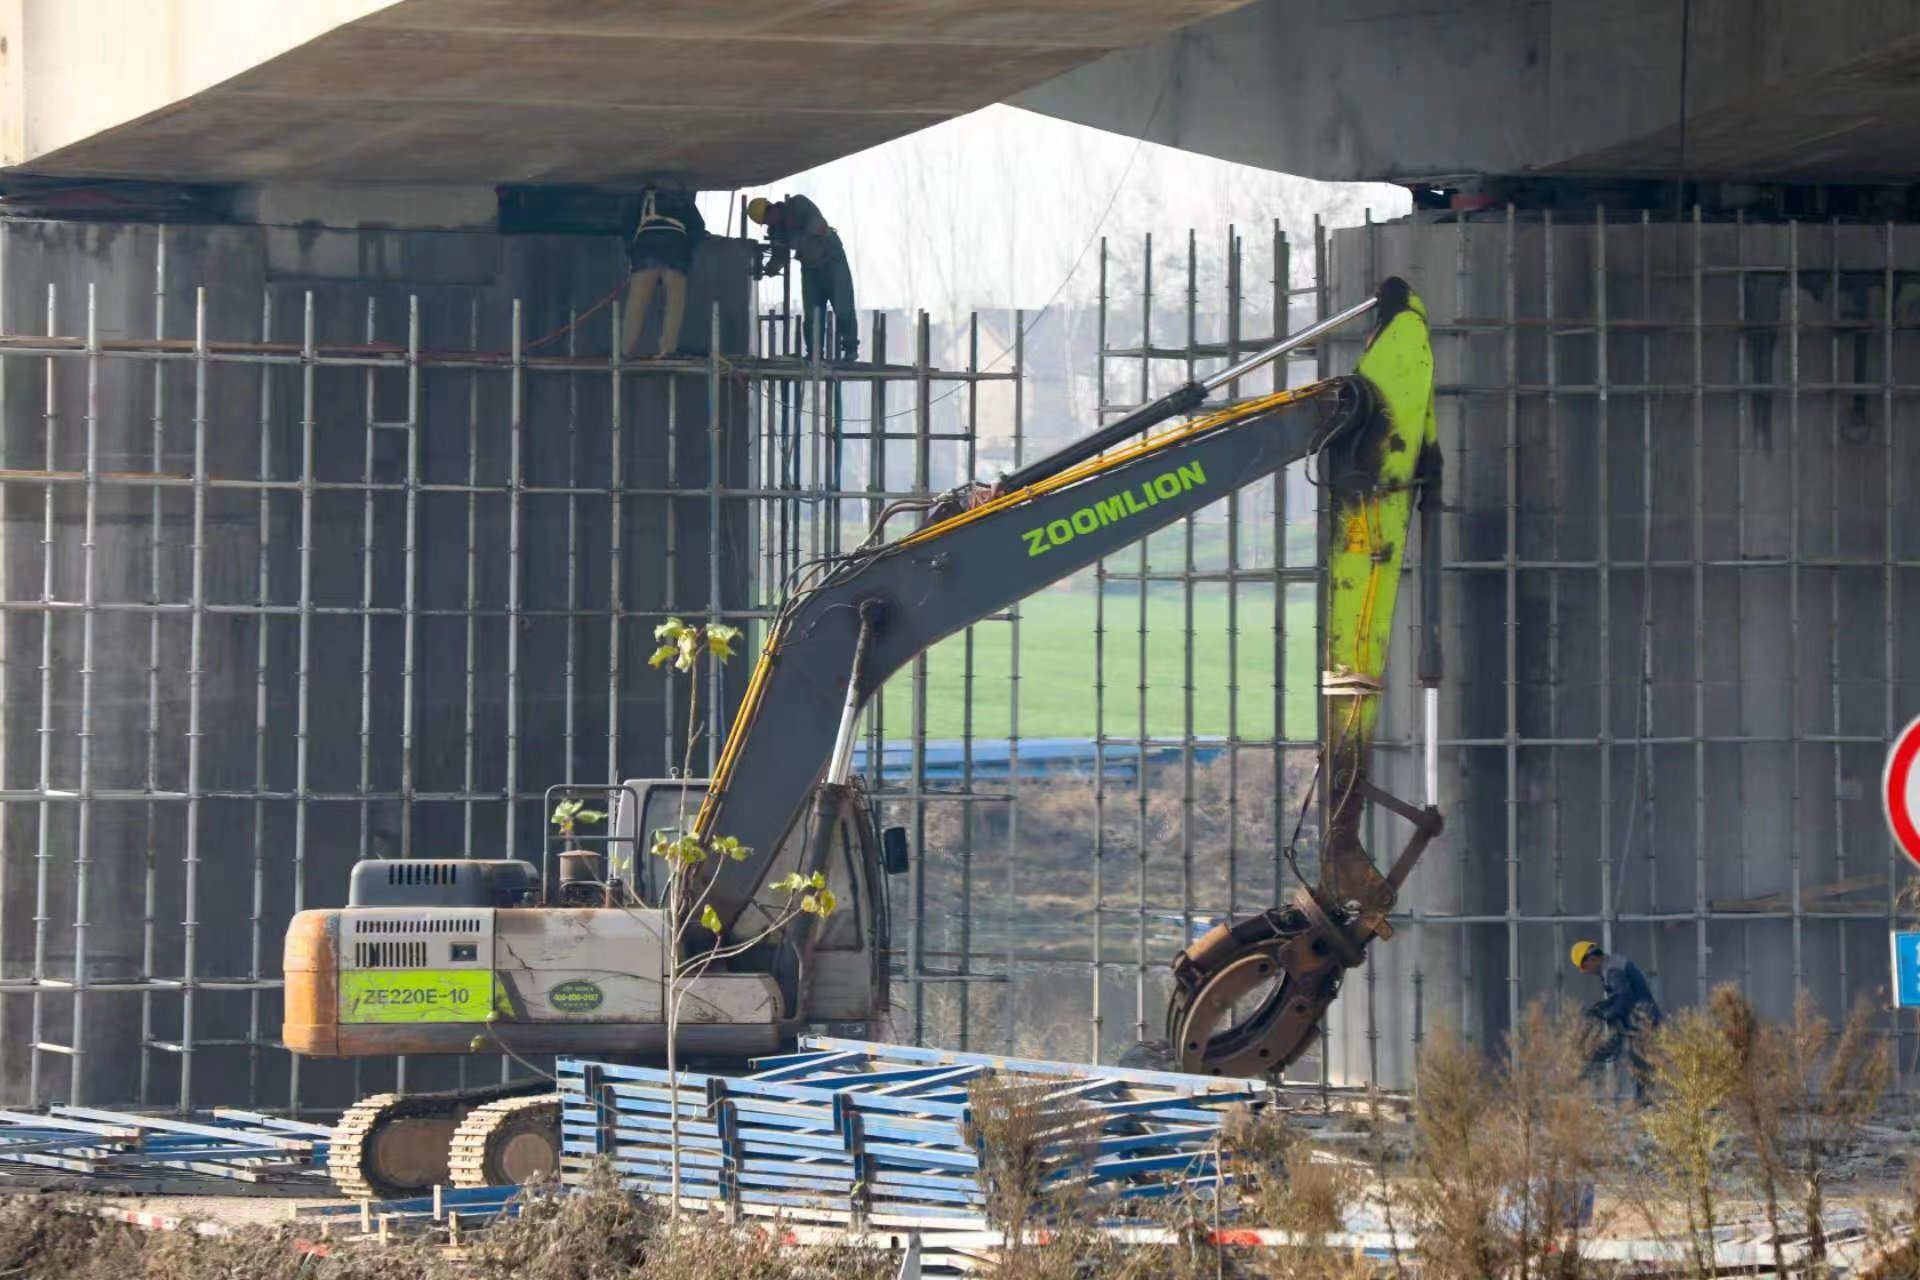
[[994, 208]]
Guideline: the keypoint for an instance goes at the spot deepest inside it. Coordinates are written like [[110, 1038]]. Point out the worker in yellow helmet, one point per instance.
[[1626, 1011], [795, 227]]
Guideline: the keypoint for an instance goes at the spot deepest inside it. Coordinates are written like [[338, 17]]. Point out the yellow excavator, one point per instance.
[[452, 956]]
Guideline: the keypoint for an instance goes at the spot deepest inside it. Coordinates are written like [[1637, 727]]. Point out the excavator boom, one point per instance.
[[863, 616]]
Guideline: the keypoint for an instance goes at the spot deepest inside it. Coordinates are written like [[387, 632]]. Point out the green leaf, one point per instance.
[[661, 654], [720, 638], [789, 883], [670, 631], [827, 901], [810, 904], [689, 650], [710, 919], [819, 880], [730, 847]]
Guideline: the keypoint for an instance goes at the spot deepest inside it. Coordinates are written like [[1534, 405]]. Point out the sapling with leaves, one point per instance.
[[686, 853]]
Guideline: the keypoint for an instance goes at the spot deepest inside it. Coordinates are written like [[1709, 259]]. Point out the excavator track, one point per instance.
[[388, 1145], [506, 1143]]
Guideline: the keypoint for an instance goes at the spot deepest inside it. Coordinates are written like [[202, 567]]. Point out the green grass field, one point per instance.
[[1058, 666]]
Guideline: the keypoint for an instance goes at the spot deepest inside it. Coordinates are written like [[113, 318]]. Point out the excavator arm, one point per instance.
[[858, 618]]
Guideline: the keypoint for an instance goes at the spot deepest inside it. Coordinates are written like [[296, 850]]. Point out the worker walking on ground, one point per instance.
[[794, 225], [658, 255], [1626, 1011]]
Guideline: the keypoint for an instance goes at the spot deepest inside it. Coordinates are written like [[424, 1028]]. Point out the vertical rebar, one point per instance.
[[1099, 922], [1699, 611], [1141, 584], [196, 661], [469, 758], [1795, 730], [89, 602], [303, 712], [616, 543], [922, 443], [1187, 527], [43, 848], [366, 607], [516, 501], [263, 596], [716, 475], [1510, 730], [1009, 1007], [1889, 587], [1235, 570], [156, 542]]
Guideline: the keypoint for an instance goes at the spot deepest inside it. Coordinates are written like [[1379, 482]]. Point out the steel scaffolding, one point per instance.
[[353, 582]]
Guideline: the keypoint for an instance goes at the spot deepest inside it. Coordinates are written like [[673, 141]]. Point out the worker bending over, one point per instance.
[[1626, 1011], [658, 256], [794, 225]]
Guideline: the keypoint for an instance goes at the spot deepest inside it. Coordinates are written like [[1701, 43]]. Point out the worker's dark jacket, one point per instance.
[[1626, 1001], [795, 224], [670, 226]]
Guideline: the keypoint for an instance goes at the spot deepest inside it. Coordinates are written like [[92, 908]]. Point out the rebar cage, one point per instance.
[[325, 545]]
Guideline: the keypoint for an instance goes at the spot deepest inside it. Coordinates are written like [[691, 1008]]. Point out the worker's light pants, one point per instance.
[[640, 289]]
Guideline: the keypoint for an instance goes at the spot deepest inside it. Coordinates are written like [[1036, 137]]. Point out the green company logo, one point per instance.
[[1128, 502], [577, 996]]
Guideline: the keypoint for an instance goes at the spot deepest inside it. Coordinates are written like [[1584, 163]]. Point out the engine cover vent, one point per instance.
[[390, 955], [442, 882], [429, 924]]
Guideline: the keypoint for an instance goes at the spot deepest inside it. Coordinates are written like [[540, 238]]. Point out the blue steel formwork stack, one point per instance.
[[858, 1133]]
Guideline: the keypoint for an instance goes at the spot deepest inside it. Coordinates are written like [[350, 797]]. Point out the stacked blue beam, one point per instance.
[[866, 1131], [234, 1145]]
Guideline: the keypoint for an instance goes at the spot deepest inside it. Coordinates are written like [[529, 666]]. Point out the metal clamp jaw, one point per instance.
[[1297, 954]]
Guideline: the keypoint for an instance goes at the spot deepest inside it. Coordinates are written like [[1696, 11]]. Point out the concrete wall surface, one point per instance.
[[393, 601], [1681, 575], [1796, 90]]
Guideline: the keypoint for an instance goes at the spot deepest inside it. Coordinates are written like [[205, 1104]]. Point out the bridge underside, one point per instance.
[[1445, 91], [725, 92]]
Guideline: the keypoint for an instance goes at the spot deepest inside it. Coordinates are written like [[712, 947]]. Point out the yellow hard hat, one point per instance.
[[757, 209], [1581, 950]]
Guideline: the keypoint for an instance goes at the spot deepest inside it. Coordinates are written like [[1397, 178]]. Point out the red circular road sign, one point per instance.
[[1900, 789]]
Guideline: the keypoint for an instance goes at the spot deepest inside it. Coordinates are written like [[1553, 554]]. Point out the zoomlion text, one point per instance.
[[1129, 502]]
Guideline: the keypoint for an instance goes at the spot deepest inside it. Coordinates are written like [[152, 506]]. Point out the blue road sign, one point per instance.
[[1906, 970]]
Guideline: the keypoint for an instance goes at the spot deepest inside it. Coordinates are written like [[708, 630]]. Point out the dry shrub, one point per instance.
[[38, 1239], [1691, 1126], [1506, 1151], [1555, 1136], [1033, 1152], [1278, 1184], [1797, 1096], [58, 1240], [1839, 1082], [1894, 1248], [1461, 1165], [708, 1249], [599, 1231]]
